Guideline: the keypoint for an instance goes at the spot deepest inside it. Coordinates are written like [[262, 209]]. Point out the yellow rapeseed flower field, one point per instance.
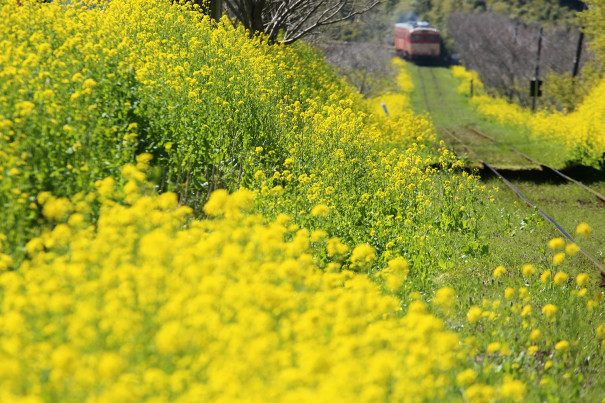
[[141, 307], [191, 214]]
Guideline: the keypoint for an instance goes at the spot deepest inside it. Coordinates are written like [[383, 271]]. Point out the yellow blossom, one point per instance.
[[445, 299], [362, 256], [110, 365], [513, 390], [499, 271], [217, 202], [549, 310], [478, 393], [395, 273], [582, 279], [24, 108], [288, 163], [556, 243], [572, 249], [335, 247], [558, 258], [562, 346], [417, 307], [600, 331], [560, 278], [321, 210], [6, 262], [529, 270], [56, 209], [466, 377], [89, 83], [318, 235], [493, 347], [105, 187], [474, 314], [259, 175], [583, 229], [535, 335]]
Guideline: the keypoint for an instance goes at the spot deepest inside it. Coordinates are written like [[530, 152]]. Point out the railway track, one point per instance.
[[453, 137]]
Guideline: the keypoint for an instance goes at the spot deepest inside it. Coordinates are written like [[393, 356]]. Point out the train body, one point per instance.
[[417, 40]]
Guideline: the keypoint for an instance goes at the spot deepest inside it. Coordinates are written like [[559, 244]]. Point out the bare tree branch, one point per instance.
[[286, 21]]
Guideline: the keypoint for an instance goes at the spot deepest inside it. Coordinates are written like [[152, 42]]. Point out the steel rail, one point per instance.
[[529, 203], [530, 159], [440, 95], [513, 149], [426, 98], [592, 259]]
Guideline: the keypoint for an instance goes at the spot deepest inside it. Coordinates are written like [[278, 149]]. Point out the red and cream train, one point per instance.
[[417, 40]]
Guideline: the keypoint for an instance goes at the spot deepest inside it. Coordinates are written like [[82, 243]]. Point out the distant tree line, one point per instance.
[[504, 51], [526, 11]]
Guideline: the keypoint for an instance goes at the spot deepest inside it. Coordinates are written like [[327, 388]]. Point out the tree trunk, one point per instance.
[[216, 9]]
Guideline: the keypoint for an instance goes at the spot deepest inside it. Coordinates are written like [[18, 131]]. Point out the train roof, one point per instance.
[[411, 25]]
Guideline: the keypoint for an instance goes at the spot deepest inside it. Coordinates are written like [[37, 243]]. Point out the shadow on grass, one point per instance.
[[581, 173]]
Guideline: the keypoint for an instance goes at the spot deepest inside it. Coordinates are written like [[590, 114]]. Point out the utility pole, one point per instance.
[[536, 88], [576, 60]]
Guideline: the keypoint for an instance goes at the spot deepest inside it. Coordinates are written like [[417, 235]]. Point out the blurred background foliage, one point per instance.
[[498, 39]]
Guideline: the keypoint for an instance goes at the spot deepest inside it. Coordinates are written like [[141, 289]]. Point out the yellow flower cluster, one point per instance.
[[217, 110], [368, 179], [140, 307], [80, 90], [580, 133], [542, 316], [445, 299], [397, 102], [468, 79]]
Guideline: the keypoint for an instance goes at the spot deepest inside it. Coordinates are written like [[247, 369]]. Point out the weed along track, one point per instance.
[[541, 165], [524, 175], [545, 203], [532, 205]]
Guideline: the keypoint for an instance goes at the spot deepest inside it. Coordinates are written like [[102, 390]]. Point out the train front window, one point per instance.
[[416, 38]]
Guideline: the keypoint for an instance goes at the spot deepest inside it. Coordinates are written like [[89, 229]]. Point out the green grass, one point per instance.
[[567, 203], [513, 234], [454, 113]]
